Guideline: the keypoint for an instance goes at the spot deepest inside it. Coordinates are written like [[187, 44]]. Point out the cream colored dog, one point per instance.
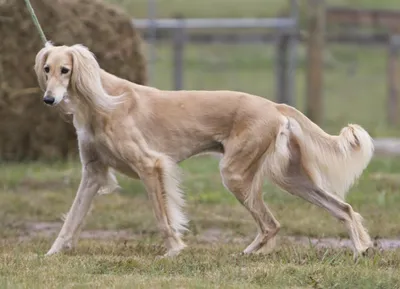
[[144, 132]]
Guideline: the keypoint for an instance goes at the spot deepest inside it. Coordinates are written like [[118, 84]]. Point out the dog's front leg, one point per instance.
[[163, 191], [87, 190]]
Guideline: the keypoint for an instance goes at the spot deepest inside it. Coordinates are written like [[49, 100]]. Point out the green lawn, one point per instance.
[[120, 239], [34, 196], [113, 264], [43, 192]]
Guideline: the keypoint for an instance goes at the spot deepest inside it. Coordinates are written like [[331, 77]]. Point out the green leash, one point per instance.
[[36, 21]]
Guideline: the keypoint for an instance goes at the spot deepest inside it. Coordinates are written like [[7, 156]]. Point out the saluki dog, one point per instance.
[[144, 133]]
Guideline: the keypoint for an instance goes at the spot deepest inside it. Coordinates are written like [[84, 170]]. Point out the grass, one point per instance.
[[117, 265], [42, 192], [35, 195]]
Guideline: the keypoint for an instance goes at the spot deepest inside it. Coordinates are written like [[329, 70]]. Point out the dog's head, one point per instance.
[[72, 72], [59, 70]]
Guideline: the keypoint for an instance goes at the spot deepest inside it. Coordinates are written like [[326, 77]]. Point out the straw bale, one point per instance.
[[29, 130]]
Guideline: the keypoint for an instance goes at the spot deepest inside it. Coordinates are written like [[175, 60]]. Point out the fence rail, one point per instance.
[[286, 37], [284, 34], [213, 23]]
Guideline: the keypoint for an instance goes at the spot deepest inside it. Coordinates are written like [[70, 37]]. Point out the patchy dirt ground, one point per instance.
[[213, 235], [120, 243]]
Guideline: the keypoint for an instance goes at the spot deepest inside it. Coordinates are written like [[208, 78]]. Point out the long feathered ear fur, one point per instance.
[[86, 83], [40, 60]]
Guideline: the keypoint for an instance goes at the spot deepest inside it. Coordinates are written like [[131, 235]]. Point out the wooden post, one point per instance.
[[178, 51], [152, 15], [315, 49], [393, 80], [292, 66], [282, 70], [286, 61]]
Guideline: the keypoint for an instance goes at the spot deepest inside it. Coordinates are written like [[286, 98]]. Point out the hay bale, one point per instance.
[[29, 130]]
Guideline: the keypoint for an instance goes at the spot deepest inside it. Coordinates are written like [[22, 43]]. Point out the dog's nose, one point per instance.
[[48, 100]]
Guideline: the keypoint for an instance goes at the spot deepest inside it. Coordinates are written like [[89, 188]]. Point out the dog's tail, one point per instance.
[[333, 163]]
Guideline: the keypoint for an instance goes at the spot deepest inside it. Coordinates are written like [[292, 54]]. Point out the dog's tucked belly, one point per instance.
[[182, 154], [177, 153], [125, 169], [109, 158]]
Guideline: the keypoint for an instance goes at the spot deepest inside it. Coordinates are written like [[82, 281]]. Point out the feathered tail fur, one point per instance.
[[333, 163]]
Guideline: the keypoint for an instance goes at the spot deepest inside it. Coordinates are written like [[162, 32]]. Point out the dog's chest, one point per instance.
[[100, 143], [109, 153]]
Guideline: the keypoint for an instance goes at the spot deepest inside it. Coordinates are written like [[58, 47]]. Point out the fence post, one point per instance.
[[178, 52], [282, 67], [152, 11], [393, 80], [294, 14], [286, 51], [315, 49]]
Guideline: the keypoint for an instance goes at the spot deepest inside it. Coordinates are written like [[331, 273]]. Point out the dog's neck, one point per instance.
[[81, 113], [84, 112]]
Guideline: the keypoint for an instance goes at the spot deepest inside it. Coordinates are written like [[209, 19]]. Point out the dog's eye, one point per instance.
[[46, 69], [64, 70]]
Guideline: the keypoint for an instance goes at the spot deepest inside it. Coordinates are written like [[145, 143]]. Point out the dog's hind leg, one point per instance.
[[268, 226], [297, 182], [339, 209], [241, 173]]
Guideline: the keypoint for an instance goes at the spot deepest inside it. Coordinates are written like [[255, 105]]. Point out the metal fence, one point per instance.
[[265, 57], [182, 32]]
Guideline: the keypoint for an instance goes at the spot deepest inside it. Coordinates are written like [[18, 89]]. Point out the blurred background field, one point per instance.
[[235, 8], [120, 240], [355, 74]]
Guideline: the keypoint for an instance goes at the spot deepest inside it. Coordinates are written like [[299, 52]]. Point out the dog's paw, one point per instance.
[[238, 254], [172, 252], [53, 251], [59, 246], [370, 251], [109, 189]]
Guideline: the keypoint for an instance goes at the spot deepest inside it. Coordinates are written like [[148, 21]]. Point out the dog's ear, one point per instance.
[[85, 69], [40, 61], [85, 80]]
